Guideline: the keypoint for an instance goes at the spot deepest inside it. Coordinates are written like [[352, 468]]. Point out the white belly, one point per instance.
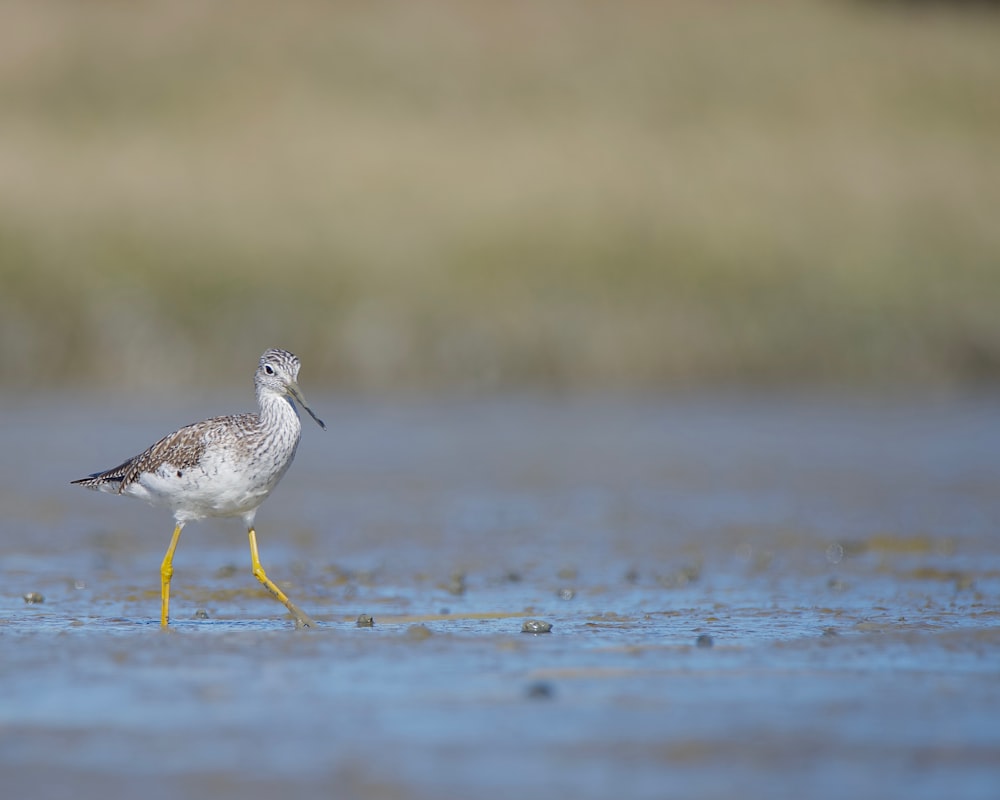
[[215, 487]]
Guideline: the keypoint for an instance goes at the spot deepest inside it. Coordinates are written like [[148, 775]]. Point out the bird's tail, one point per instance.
[[108, 481]]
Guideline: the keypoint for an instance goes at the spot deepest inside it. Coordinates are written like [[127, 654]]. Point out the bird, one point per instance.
[[222, 467]]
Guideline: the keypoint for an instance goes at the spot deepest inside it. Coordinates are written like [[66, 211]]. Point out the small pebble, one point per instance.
[[567, 593], [536, 626], [704, 640], [831, 632], [201, 613], [540, 690], [365, 621], [33, 597]]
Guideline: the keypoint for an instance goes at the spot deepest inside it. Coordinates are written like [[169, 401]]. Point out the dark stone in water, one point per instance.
[[704, 640], [536, 626], [540, 690]]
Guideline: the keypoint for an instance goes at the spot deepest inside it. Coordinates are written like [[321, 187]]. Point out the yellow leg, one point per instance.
[[166, 573], [301, 618]]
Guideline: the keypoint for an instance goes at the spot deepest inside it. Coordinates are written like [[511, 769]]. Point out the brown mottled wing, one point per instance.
[[182, 449]]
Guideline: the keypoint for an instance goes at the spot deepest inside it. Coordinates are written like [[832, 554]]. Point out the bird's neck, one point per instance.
[[277, 411]]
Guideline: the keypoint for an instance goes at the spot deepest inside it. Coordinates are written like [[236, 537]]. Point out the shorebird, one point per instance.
[[222, 467]]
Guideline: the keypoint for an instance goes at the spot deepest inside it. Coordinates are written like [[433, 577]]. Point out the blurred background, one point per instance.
[[448, 195]]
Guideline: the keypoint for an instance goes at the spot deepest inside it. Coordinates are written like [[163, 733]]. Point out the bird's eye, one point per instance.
[[268, 369]]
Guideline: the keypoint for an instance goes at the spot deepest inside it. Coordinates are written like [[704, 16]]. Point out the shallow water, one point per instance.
[[839, 558]]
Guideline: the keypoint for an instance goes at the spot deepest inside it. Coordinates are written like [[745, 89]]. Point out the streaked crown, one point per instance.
[[277, 368]]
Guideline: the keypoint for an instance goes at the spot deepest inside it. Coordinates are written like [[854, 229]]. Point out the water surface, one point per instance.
[[838, 558]]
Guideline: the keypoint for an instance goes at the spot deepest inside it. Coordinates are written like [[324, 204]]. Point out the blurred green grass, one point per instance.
[[454, 194]]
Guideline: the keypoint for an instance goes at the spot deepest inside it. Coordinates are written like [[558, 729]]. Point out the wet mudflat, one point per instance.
[[770, 597]]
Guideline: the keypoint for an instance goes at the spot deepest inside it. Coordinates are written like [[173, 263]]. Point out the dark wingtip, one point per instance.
[[95, 479]]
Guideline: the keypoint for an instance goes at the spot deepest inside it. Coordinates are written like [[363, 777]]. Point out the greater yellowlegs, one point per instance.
[[222, 467]]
